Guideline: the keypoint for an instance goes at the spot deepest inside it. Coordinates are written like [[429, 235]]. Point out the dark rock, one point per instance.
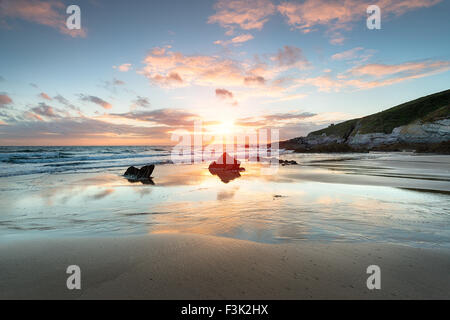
[[131, 171], [287, 162], [226, 168], [226, 162], [139, 174], [145, 172]]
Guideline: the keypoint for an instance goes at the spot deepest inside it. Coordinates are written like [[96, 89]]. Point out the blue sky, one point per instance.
[[140, 69]]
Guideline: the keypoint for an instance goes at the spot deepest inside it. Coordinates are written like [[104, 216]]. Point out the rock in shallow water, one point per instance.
[[139, 174], [145, 172], [287, 162], [226, 162], [131, 171]]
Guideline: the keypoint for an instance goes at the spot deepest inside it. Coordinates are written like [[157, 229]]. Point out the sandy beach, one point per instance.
[[307, 232], [183, 266]]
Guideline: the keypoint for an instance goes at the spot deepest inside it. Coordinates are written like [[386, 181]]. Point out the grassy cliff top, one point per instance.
[[426, 109]]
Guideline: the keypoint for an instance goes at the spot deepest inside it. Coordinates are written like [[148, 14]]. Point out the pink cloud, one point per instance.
[[336, 15], [347, 55], [45, 96], [49, 13], [246, 14], [173, 69], [381, 70], [123, 67], [5, 100], [377, 75], [224, 94], [236, 40]]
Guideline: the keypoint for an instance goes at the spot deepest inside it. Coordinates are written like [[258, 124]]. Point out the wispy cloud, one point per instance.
[[236, 40], [123, 67], [96, 100], [407, 68], [290, 56], [45, 96], [376, 75], [245, 14], [141, 102]]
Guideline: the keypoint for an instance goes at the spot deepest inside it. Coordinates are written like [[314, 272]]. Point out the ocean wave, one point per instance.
[[62, 158], [77, 167]]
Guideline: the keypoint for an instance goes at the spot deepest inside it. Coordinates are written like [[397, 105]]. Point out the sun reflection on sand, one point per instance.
[[297, 203]]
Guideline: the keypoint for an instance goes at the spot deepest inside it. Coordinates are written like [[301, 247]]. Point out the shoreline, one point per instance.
[[188, 266]]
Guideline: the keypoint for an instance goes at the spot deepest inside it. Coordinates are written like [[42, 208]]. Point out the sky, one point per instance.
[[138, 71]]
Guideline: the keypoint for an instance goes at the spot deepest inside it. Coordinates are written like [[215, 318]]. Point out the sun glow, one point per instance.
[[226, 127]]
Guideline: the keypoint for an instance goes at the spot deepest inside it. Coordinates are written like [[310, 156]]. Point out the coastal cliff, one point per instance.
[[422, 125]]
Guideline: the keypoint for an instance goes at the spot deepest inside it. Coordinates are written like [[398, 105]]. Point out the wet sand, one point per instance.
[[186, 266]]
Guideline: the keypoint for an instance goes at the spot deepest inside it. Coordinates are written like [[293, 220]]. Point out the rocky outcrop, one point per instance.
[[421, 124], [412, 136], [435, 132]]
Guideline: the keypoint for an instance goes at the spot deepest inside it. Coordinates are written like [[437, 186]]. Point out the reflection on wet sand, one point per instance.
[[296, 203], [143, 181], [225, 175]]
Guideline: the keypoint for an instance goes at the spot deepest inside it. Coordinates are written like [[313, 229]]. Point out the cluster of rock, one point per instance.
[[413, 134], [287, 162], [226, 167], [434, 132]]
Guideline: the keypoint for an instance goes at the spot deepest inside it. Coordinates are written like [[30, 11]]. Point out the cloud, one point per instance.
[[347, 55], [123, 67], [173, 69], [4, 100], [112, 85], [236, 40], [166, 68], [407, 68], [356, 55], [274, 120], [167, 117], [79, 130], [44, 125], [45, 96], [245, 14], [172, 79], [224, 94], [45, 110], [376, 75], [118, 82], [142, 102], [252, 81], [65, 102], [49, 13], [290, 56], [336, 16], [96, 100]]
